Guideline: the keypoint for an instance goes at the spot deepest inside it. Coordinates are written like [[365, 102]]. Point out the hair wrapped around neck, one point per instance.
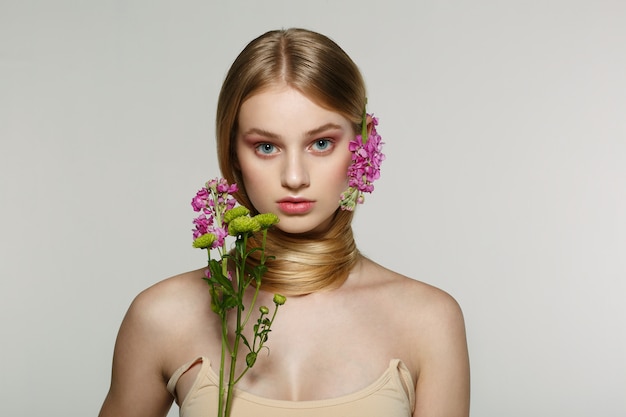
[[307, 263]]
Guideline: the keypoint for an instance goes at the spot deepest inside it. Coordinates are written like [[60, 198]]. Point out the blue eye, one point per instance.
[[265, 148], [322, 144]]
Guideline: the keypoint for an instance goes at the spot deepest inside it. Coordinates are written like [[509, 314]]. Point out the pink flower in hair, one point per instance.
[[367, 158]]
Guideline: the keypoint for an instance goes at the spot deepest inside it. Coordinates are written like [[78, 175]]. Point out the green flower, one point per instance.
[[242, 225], [234, 213], [264, 310], [266, 219], [279, 299], [205, 241]]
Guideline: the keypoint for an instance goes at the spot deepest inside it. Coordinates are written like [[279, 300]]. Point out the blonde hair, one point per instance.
[[318, 68]]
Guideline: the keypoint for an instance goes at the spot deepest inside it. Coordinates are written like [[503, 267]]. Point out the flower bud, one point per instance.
[[279, 299], [264, 310]]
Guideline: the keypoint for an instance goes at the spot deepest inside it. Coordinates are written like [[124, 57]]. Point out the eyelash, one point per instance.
[[262, 148], [259, 148], [329, 143]]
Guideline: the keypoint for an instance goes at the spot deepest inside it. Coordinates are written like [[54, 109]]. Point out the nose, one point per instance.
[[295, 174]]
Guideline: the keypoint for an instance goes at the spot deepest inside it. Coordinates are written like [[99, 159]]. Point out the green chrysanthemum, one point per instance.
[[242, 225], [234, 213], [266, 219], [205, 241]]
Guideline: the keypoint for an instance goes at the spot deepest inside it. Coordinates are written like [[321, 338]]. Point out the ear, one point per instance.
[[370, 124]]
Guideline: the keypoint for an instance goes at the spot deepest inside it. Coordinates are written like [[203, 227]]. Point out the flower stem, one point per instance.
[[251, 307], [239, 278], [225, 346], [364, 125]]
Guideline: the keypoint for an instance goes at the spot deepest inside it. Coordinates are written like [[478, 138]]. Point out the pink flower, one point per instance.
[[202, 224], [200, 201], [224, 188], [220, 233], [367, 158], [212, 201]]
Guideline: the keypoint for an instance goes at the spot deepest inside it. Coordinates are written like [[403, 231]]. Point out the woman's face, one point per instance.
[[294, 157]]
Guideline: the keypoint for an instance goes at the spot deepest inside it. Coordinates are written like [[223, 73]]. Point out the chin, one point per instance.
[[299, 227], [294, 230]]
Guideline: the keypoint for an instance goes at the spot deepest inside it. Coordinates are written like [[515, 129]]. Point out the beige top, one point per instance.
[[391, 395]]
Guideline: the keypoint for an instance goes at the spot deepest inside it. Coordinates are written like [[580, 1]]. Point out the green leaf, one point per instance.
[[260, 270], [250, 359], [230, 301], [245, 341]]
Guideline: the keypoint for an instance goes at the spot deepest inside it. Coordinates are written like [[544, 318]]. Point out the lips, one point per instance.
[[295, 206]]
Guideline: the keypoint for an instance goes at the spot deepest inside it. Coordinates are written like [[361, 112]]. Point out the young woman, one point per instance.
[[354, 338]]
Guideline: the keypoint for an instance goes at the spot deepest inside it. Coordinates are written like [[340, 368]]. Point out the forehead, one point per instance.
[[283, 107]]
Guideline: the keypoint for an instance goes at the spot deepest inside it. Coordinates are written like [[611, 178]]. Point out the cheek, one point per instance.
[[245, 164], [252, 178], [259, 180], [341, 169]]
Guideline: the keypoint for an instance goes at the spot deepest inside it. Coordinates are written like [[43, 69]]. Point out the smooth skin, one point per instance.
[[323, 345], [289, 148]]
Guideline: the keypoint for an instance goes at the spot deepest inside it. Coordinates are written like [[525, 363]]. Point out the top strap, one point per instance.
[[171, 384], [406, 380]]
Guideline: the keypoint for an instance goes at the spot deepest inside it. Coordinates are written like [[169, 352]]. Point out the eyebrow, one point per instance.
[[261, 132], [311, 132], [322, 128]]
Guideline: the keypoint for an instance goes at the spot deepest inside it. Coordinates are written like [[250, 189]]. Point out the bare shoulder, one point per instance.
[[165, 298], [147, 345], [418, 299], [433, 329], [430, 319], [433, 340], [168, 310], [158, 313]]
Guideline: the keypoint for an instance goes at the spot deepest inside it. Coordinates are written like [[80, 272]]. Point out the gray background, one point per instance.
[[504, 181]]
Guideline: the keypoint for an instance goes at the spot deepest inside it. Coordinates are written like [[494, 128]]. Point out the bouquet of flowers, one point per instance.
[[229, 275]]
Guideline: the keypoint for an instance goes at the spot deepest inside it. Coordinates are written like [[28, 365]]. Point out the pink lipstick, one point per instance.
[[295, 206]]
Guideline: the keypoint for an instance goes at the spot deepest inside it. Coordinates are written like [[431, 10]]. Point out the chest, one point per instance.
[[316, 349], [322, 350], [392, 394]]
